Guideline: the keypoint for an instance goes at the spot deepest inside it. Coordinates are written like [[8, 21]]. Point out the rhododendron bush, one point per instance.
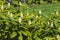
[[17, 23]]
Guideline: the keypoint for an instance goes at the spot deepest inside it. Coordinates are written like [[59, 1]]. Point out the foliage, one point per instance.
[[17, 25]]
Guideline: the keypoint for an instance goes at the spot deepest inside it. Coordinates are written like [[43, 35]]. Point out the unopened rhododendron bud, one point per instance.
[[56, 12], [21, 15], [29, 22], [20, 19], [11, 15], [2, 7], [20, 3], [36, 16], [39, 11], [58, 28], [51, 24], [48, 23], [58, 37], [8, 4]]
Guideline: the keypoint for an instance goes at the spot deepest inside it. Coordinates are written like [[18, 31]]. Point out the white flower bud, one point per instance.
[[11, 15], [29, 22], [39, 11], [48, 23], [8, 4], [20, 19], [2, 7], [36, 16], [20, 3], [58, 37], [21, 15], [58, 28], [51, 24], [56, 12]]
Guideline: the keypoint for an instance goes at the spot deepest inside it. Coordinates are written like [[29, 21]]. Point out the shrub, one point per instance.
[[28, 26]]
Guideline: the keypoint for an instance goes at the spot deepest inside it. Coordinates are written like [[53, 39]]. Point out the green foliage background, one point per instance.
[[15, 24]]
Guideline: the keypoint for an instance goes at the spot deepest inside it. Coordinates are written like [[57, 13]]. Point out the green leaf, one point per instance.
[[26, 33], [36, 38], [20, 36], [13, 35], [29, 1], [49, 38], [0, 34]]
